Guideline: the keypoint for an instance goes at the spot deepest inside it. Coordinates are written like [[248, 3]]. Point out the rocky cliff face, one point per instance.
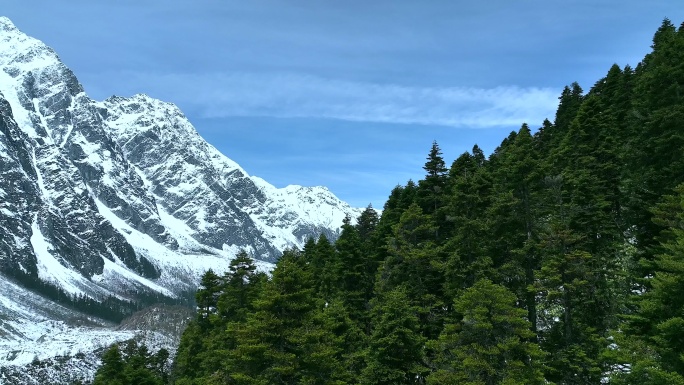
[[68, 161], [122, 197]]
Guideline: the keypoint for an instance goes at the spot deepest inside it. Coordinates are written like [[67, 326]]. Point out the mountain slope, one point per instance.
[[120, 199]]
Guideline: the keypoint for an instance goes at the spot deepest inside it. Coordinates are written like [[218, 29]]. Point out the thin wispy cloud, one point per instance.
[[220, 95]]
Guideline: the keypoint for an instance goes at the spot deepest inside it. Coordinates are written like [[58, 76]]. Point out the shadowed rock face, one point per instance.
[[19, 196], [44, 198], [189, 178], [60, 146]]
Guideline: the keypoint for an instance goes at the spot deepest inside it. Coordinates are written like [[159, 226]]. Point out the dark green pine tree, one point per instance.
[[469, 191], [238, 288], [353, 276], [431, 189], [335, 353], [371, 246], [188, 363], [490, 342], [204, 346], [132, 365], [544, 140], [195, 357], [160, 365], [569, 103], [582, 235], [512, 217], [321, 259], [565, 287], [207, 296], [415, 263], [112, 370], [366, 223], [652, 342], [139, 366], [395, 351], [656, 163], [399, 200], [613, 148], [276, 343]]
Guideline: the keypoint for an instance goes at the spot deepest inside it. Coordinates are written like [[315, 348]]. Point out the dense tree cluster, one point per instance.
[[133, 365], [111, 308], [558, 259]]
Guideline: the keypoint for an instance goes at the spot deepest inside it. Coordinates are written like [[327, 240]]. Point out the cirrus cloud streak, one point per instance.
[[220, 95]]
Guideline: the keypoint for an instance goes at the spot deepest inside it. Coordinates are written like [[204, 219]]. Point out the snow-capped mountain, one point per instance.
[[120, 197]]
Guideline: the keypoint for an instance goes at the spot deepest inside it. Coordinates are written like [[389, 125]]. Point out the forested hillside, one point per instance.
[[557, 259]]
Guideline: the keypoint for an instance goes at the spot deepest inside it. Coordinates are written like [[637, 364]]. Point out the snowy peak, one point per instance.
[[22, 51], [129, 182], [229, 208], [140, 114], [6, 25]]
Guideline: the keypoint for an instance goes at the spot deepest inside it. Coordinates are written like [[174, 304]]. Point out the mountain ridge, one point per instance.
[[121, 198]]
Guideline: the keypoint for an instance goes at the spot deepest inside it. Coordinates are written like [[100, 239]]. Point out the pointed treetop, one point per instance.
[[367, 221], [569, 102], [664, 34], [524, 129], [479, 156], [435, 166]]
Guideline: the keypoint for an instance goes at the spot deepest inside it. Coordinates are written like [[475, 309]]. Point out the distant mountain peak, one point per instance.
[[6, 24]]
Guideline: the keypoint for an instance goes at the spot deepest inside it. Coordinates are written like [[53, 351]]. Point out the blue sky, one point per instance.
[[346, 94]]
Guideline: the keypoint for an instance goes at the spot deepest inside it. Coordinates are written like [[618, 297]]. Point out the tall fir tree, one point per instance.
[[416, 264], [490, 343], [652, 343], [469, 195], [431, 188], [395, 351]]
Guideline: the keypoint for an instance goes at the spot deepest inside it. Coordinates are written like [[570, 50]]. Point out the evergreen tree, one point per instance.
[[653, 344], [567, 328], [323, 259], [353, 280], [569, 103], [489, 344], [415, 264], [431, 190], [658, 107], [226, 300], [366, 223], [435, 179], [278, 340], [334, 346], [238, 288], [207, 295], [112, 370], [135, 365], [512, 218], [395, 352], [469, 190]]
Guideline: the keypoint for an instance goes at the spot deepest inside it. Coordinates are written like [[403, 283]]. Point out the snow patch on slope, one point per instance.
[[180, 269], [30, 330], [50, 269]]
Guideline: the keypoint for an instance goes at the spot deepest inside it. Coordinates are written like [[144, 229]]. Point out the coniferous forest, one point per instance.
[[557, 259]]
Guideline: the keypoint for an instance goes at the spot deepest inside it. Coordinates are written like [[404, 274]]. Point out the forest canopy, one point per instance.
[[557, 259]]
